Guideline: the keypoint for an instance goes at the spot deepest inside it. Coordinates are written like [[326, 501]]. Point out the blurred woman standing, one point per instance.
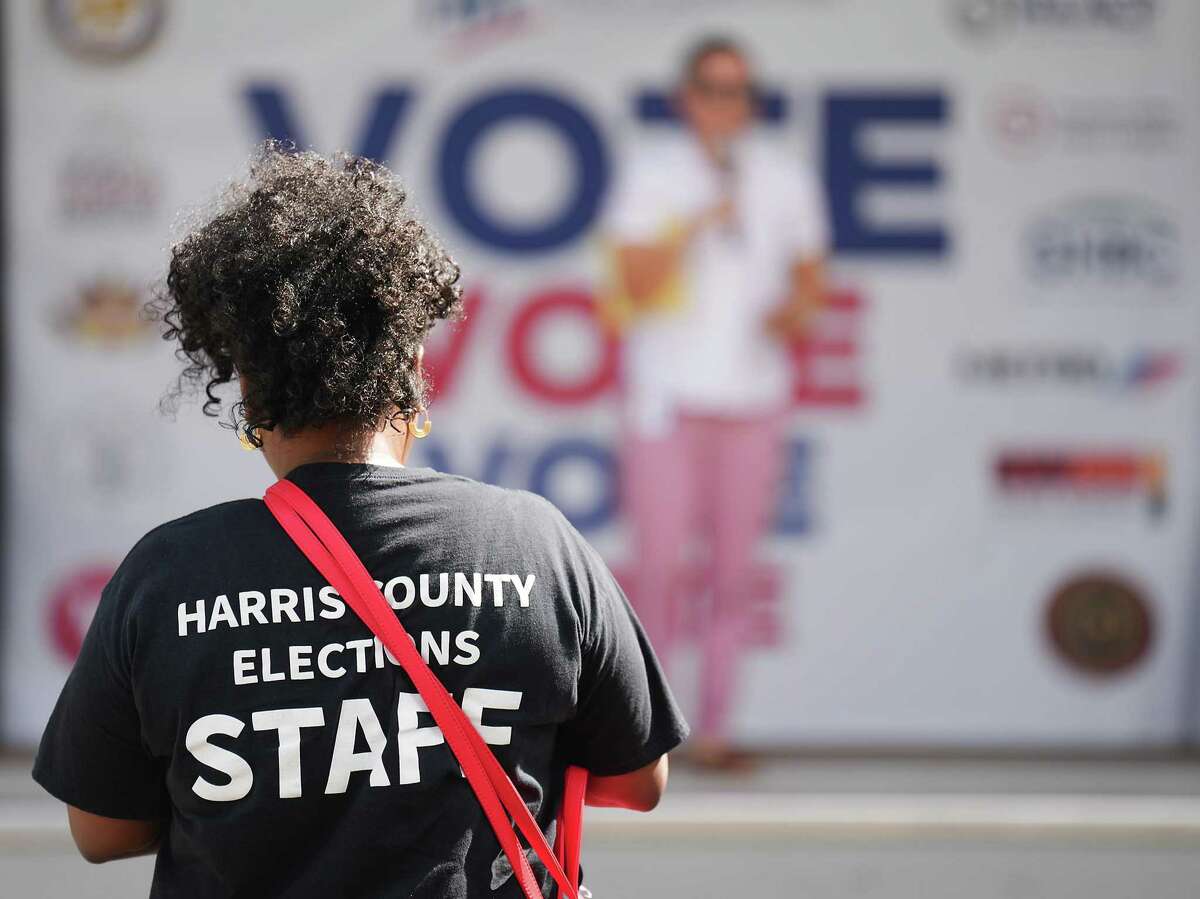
[[719, 242]]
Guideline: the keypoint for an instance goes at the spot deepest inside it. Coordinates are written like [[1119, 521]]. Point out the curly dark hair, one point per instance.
[[314, 282]]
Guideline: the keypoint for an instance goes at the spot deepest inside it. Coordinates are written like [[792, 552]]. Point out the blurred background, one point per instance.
[[973, 660]]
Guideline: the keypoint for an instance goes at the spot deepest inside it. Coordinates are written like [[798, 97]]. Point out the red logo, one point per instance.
[[72, 604], [1020, 119], [1087, 473]]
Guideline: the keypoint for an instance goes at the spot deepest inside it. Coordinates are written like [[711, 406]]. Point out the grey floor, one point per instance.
[[932, 828]]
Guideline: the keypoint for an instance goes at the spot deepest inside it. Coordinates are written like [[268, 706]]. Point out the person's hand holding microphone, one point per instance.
[[793, 319]]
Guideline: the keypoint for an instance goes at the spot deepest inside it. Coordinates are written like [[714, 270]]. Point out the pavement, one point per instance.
[[925, 827]]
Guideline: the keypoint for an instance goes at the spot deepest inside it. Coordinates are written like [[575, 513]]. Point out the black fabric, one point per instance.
[[304, 780]]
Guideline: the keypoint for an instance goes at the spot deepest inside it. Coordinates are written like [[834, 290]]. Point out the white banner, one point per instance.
[[990, 515]]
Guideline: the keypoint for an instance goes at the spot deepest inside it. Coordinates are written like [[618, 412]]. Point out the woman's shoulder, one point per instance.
[[151, 566], [195, 533], [480, 501], [217, 518], [519, 520]]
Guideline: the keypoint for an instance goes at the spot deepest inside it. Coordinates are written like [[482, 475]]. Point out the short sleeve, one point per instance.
[[626, 716], [91, 754], [806, 218]]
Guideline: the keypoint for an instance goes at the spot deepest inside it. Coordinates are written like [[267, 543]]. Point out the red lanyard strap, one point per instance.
[[327, 549]]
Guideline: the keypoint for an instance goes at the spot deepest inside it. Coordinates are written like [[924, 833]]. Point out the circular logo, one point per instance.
[[1100, 624], [1020, 119], [72, 604], [105, 30]]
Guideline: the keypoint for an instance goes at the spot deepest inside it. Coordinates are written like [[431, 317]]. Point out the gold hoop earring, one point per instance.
[[244, 440], [422, 430]]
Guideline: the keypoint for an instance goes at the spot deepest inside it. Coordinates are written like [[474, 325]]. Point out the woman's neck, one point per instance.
[[333, 444]]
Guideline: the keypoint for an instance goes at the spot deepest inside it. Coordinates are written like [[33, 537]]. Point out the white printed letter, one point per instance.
[[476, 699], [357, 713], [232, 765], [197, 617], [413, 737], [524, 589], [288, 722]]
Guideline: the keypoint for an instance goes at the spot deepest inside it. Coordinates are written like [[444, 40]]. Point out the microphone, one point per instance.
[[727, 178]]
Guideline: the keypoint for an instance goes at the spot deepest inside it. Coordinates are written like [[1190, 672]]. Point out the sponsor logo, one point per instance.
[[122, 443], [107, 178], [1080, 368], [105, 30], [1025, 122], [104, 312], [1089, 477], [471, 23], [994, 19], [1103, 244], [72, 604], [1100, 623]]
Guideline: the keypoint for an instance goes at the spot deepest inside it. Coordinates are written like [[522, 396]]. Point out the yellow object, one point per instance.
[[423, 430], [245, 441], [617, 309]]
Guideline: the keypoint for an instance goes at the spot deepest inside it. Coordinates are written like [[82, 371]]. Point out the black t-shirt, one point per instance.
[[223, 684]]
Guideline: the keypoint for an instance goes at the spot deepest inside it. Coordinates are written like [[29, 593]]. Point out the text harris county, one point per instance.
[[279, 604]]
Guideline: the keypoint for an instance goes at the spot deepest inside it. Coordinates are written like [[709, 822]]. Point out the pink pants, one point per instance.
[[716, 478]]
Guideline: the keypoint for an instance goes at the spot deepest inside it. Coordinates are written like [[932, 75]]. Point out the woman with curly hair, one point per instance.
[[227, 712]]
